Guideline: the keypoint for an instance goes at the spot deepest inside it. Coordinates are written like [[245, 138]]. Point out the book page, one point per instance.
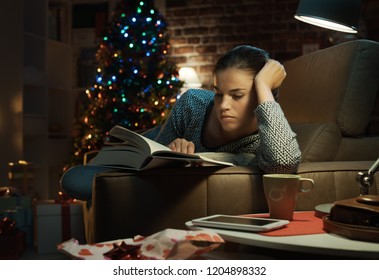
[[132, 138], [244, 159]]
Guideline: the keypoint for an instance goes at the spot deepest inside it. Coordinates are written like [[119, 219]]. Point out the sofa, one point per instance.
[[330, 99]]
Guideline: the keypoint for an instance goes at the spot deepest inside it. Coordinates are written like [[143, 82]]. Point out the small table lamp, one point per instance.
[[339, 15], [190, 78]]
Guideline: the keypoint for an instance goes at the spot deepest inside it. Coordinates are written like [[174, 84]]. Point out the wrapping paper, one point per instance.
[[170, 244]]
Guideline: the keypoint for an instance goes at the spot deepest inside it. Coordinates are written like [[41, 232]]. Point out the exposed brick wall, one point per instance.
[[202, 30]]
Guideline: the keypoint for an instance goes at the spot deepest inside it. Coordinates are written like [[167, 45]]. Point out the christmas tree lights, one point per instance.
[[135, 83]]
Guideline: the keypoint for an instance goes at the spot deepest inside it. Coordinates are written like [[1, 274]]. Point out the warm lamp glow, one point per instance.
[[326, 24], [190, 77], [338, 15]]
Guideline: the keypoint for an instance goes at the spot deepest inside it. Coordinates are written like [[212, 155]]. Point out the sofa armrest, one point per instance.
[[127, 204]]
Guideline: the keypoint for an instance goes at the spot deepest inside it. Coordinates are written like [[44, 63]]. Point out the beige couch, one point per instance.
[[330, 99]]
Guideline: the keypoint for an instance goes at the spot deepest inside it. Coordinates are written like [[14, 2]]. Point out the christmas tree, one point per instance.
[[135, 84]]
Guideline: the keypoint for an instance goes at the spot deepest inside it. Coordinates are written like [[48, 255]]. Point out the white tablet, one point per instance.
[[240, 223]]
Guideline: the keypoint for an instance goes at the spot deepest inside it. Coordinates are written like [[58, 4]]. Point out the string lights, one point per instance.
[[135, 84]]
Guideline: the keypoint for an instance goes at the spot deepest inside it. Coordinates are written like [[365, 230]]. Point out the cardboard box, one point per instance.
[[57, 222]]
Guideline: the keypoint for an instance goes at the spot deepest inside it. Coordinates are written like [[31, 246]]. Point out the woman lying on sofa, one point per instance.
[[240, 117]]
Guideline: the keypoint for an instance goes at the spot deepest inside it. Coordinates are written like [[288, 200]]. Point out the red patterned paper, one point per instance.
[[166, 244]]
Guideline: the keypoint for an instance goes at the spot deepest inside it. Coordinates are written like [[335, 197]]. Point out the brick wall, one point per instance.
[[202, 30]]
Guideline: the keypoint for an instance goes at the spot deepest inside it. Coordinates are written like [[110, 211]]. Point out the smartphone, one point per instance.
[[254, 224]]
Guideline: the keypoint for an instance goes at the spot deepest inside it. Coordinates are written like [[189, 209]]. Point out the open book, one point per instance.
[[130, 150]]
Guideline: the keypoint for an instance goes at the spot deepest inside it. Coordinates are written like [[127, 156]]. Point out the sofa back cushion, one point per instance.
[[337, 84]]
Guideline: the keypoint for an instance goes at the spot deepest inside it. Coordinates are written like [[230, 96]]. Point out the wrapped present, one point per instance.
[[11, 200], [57, 221], [12, 241], [170, 244], [21, 176], [23, 218], [19, 209]]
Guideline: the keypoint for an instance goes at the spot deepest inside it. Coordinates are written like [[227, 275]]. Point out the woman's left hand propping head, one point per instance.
[[272, 74]]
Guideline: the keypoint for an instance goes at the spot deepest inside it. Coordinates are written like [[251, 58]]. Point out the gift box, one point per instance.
[[19, 209], [12, 241], [21, 176], [56, 222], [23, 218], [13, 202]]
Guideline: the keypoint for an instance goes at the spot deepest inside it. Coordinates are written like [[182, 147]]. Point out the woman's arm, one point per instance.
[[172, 127], [270, 77], [279, 151], [187, 112]]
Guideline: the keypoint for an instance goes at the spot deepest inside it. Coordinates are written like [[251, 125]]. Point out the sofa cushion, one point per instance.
[[318, 141], [358, 149]]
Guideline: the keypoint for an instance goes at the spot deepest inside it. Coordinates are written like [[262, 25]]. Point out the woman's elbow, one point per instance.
[[283, 165]]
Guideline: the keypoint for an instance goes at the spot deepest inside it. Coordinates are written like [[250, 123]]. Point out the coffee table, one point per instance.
[[324, 244]]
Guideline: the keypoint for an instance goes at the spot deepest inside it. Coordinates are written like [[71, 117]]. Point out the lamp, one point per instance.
[[339, 15], [190, 77]]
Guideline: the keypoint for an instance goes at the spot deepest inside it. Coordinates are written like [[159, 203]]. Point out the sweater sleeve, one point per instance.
[[173, 126], [187, 113], [278, 149]]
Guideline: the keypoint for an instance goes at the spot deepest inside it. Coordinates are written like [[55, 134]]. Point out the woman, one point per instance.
[[240, 116]]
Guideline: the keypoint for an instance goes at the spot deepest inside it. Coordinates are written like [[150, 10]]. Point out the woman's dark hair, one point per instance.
[[247, 58]]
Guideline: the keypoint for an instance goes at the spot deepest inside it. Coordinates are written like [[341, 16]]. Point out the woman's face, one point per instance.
[[235, 101]]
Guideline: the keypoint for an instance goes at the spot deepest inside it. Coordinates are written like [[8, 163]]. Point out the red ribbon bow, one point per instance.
[[124, 252], [64, 198]]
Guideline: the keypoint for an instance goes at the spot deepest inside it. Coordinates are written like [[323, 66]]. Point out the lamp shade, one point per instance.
[[339, 15], [190, 77]]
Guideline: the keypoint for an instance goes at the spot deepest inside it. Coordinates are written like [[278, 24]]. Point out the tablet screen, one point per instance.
[[241, 221]]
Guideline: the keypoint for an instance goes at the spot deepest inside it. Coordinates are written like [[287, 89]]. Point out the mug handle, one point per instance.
[[306, 181]]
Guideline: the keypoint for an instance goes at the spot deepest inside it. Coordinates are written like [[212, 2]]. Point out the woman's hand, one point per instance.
[[270, 77], [182, 145]]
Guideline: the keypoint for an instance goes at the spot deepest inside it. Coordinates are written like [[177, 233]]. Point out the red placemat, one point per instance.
[[303, 223]]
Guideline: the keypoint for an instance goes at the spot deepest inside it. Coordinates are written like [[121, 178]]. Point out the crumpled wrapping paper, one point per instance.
[[170, 244]]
